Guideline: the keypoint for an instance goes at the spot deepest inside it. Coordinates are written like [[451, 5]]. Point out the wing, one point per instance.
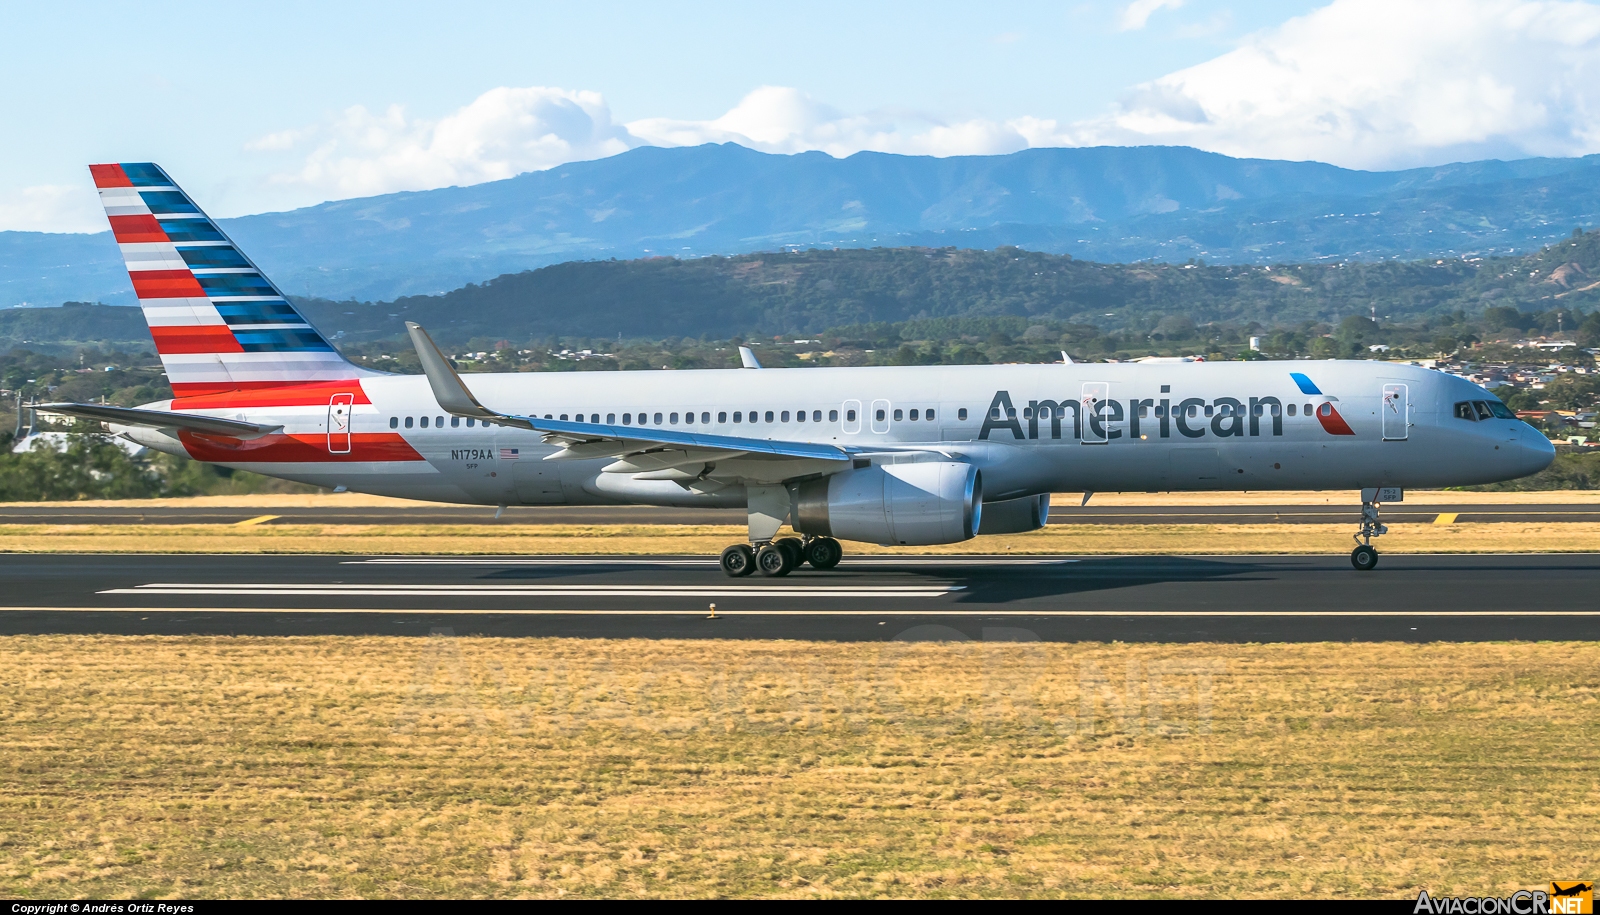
[[648, 453], [161, 419]]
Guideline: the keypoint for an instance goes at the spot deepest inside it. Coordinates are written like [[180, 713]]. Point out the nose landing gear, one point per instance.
[[1365, 556]]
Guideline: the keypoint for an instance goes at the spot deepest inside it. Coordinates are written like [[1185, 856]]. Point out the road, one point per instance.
[[1182, 599], [58, 513]]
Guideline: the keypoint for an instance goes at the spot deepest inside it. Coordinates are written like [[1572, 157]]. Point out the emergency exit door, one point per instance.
[[1396, 413], [339, 423]]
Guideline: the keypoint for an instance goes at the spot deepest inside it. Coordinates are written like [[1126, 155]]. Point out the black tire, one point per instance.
[[824, 553], [773, 561], [738, 561], [1364, 558], [793, 547]]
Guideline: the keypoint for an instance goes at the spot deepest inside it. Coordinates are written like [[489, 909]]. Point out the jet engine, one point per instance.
[[1016, 516], [915, 504]]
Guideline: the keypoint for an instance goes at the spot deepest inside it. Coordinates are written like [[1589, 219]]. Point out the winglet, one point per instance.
[[1065, 359], [448, 387], [748, 358]]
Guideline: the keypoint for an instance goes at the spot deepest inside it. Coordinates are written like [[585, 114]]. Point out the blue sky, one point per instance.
[[272, 106]]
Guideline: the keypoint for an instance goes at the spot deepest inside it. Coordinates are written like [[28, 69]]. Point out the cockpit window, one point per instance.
[[1500, 410], [1483, 410], [1464, 411]]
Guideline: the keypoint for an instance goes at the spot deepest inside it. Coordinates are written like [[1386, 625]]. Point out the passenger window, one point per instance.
[[658, 419], [1144, 411], [833, 416], [1276, 409], [673, 419], [769, 416], [913, 414], [928, 415], [850, 416], [438, 422], [961, 414], [994, 412], [455, 422], [736, 415], [424, 422], [408, 422], [627, 419], [1308, 409], [897, 415], [1326, 409], [471, 422], [705, 417], [816, 416], [563, 416], [784, 417], [722, 417], [880, 416], [394, 422], [1193, 411], [799, 416], [1291, 409]]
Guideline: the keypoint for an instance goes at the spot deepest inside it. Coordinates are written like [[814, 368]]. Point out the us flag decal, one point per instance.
[[508, 454]]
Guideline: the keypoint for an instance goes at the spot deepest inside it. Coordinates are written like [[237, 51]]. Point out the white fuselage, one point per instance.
[[1031, 429]]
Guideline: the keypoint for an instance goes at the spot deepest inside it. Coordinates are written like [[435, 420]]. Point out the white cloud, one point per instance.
[[1381, 84], [783, 120], [53, 208], [502, 133], [1136, 15]]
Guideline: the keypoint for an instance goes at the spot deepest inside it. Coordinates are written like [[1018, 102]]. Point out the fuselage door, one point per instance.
[[339, 423], [880, 416], [1093, 407], [1396, 413], [850, 420]]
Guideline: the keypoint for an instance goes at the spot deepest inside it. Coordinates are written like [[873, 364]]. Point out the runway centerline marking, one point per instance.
[[348, 590]]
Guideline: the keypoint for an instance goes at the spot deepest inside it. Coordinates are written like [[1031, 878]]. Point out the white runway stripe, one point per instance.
[[346, 590], [864, 614]]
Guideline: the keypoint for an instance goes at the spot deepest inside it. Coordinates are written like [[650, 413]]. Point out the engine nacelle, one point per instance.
[[917, 504], [1016, 516]]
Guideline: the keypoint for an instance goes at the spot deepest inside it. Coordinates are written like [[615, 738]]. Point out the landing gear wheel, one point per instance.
[[738, 560], [792, 547], [824, 553], [1364, 558], [773, 561]]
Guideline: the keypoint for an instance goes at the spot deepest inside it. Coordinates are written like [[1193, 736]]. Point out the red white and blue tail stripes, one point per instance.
[[218, 322]]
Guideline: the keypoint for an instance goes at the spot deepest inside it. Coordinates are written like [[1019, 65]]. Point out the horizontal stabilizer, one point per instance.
[[160, 419]]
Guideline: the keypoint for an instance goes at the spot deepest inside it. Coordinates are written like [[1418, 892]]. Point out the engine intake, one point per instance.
[[917, 504]]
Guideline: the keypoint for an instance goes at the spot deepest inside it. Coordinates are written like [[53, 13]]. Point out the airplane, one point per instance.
[[904, 456]]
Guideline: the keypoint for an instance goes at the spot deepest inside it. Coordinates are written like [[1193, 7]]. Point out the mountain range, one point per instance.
[[1109, 204]]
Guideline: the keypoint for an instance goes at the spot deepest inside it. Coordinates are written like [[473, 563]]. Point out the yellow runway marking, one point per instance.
[[259, 519], [1446, 518]]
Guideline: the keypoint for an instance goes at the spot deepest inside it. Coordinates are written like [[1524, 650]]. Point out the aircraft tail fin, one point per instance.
[[217, 321]]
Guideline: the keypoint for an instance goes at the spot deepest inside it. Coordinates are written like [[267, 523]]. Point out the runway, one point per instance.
[[67, 513], [1179, 599]]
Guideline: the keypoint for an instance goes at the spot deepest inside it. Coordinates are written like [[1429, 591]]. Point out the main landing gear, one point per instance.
[[1365, 557], [780, 557]]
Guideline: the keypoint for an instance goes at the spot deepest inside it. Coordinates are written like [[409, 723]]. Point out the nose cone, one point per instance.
[[1535, 452]]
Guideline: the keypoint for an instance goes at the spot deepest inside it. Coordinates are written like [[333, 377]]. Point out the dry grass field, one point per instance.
[[669, 539], [475, 767]]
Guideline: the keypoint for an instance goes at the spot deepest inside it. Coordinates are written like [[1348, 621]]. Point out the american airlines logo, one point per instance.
[[1106, 419]]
